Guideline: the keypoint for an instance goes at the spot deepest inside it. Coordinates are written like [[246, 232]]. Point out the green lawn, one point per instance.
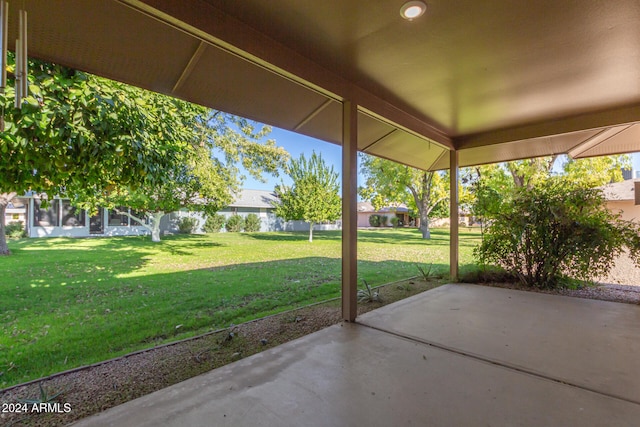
[[70, 302]]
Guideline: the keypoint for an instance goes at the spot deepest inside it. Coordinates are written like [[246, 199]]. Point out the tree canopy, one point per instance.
[[592, 172], [493, 185], [314, 196], [101, 142], [208, 175], [81, 135], [389, 184]]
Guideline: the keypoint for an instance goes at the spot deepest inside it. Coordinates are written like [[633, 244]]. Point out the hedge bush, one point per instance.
[[252, 223], [187, 225], [556, 231], [235, 224], [214, 223], [15, 230], [374, 220]]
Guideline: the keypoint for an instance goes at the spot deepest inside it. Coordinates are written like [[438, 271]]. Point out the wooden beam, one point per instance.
[[597, 120], [190, 66], [596, 140], [349, 211], [454, 226], [314, 113]]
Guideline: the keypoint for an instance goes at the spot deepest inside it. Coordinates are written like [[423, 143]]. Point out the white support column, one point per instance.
[[349, 211], [454, 235]]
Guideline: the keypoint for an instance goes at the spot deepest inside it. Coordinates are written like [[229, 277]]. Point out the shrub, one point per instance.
[[368, 294], [15, 230], [383, 220], [252, 223], [553, 231], [427, 272], [395, 221], [374, 220], [187, 225], [235, 223], [214, 223]]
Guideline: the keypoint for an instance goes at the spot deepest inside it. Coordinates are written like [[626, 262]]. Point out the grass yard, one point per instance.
[[65, 303]]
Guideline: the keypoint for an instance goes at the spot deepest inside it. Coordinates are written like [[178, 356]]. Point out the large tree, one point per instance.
[[390, 183], [313, 197], [208, 175], [592, 172], [81, 135]]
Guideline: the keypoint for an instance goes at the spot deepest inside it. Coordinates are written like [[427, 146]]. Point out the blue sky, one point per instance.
[[296, 144]]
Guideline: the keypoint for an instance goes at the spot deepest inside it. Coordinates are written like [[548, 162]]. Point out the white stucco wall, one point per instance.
[[627, 208]]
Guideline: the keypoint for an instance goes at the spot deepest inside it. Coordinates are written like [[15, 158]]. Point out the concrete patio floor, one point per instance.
[[458, 355]]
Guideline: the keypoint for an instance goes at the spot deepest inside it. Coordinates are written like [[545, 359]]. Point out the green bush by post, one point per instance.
[[374, 220], [187, 225], [252, 223], [235, 224], [214, 223], [15, 230], [556, 231]]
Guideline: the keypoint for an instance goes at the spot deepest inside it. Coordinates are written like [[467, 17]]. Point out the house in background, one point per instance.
[[59, 219], [16, 211], [258, 202], [261, 203], [620, 197], [366, 209]]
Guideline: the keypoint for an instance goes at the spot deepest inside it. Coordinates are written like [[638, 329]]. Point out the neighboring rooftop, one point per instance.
[[368, 207], [255, 199], [623, 190]]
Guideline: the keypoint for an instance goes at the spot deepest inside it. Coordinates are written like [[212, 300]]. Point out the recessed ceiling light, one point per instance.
[[412, 9]]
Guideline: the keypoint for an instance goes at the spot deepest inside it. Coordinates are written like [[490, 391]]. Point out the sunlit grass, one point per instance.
[[71, 302]]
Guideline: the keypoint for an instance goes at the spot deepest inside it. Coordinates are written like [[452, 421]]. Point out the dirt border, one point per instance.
[[94, 388]]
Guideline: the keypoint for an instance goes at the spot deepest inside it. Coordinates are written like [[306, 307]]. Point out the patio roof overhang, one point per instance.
[[494, 81]]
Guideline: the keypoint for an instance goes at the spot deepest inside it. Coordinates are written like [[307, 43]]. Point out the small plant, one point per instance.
[[15, 230], [383, 220], [214, 223], [405, 286], [234, 224], [426, 272], [187, 225], [395, 222], [367, 294], [252, 223], [43, 398], [232, 333], [374, 220]]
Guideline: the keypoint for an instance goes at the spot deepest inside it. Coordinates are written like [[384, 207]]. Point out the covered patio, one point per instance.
[[467, 83], [458, 355]]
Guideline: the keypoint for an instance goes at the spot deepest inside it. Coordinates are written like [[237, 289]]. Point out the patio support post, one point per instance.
[[453, 197], [349, 210]]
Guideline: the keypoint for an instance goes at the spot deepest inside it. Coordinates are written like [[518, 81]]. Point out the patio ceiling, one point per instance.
[[494, 80]]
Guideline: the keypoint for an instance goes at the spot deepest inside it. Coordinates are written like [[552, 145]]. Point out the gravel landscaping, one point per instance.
[[622, 284]]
